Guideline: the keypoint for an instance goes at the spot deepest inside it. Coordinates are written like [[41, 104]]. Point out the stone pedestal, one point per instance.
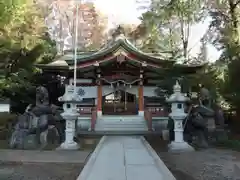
[[211, 125], [69, 143], [178, 145], [30, 142]]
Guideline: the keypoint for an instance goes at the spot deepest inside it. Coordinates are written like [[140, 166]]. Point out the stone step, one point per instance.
[[121, 130], [120, 118], [127, 123], [121, 127], [121, 123]]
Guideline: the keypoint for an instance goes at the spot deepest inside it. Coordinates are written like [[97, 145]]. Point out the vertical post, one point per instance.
[[75, 51], [114, 102], [140, 100], [99, 98], [125, 100]]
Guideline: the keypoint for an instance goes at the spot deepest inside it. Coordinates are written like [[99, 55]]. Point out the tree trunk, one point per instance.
[[234, 18]]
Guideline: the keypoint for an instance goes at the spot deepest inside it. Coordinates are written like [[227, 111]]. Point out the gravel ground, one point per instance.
[[209, 164], [39, 171]]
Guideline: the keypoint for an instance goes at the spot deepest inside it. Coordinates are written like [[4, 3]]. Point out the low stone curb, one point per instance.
[[27, 156]]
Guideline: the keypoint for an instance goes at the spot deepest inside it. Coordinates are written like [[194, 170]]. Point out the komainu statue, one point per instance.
[[204, 97], [195, 128], [202, 118], [34, 126]]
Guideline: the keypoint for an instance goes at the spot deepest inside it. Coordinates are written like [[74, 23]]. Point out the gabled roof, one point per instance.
[[109, 52], [122, 43]]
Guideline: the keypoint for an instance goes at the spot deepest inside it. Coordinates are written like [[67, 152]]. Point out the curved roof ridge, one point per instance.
[[133, 46], [106, 46]]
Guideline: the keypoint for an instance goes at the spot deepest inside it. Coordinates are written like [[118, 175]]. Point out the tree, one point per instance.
[[159, 35], [24, 42], [23, 31], [164, 21], [97, 26], [187, 13], [224, 35], [61, 21]]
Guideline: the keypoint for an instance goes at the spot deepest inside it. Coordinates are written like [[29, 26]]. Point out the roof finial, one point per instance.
[[118, 33], [177, 87]]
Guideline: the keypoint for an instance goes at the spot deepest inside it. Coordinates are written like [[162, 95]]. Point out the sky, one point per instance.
[[127, 11]]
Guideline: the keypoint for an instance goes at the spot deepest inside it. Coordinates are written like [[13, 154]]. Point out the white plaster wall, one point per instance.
[[107, 90], [133, 90], [4, 107], [149, 91], [90, 91]]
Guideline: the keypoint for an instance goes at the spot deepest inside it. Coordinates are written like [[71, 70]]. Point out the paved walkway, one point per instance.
[[124, 158], [29, 156]]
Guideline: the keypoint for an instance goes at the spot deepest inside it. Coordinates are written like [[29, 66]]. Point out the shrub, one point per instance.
[[6, 118]]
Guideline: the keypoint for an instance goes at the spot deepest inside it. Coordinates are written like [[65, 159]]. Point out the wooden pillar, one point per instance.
[[140, 100], [99, 98]]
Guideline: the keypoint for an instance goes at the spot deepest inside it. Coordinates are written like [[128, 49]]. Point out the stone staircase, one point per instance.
[[121, 124]]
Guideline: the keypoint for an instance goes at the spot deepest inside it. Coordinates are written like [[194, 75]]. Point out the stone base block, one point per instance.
[[141, 113], [165, 135], [99, 113], [30, 142], [68, 146], [179, 147]]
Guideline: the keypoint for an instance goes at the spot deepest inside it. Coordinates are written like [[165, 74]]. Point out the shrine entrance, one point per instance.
[[120, 102]]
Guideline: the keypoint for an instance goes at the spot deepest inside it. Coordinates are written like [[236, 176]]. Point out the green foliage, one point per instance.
[[6, 118], [230, 144], [23, 42], [168, 27], [224, 34], [231, 88], [161, 32]]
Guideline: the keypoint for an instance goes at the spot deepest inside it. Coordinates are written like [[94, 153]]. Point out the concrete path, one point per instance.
[[29, 156], [124, 158]]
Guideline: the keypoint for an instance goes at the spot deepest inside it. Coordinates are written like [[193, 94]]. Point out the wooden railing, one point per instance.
[[85, 110], [148, 118], [93, 119], [119, 108], [157, 111]]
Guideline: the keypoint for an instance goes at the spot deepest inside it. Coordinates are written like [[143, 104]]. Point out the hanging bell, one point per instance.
[[111, 85], [130, 86]]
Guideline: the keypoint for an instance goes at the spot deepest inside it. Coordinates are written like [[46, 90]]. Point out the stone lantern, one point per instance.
[[70, 114], [178, 100]]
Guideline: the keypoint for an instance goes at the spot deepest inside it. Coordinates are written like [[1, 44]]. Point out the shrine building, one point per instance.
[[117, 85]]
